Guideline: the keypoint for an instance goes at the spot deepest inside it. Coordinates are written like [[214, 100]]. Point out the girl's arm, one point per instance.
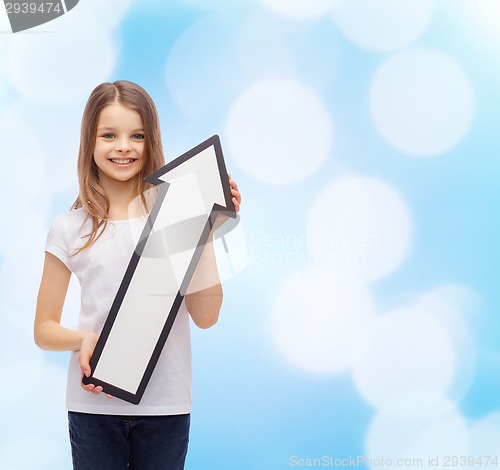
[[50, 335], [204, 297]]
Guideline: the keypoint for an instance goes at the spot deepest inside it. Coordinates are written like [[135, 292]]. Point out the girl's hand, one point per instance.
[[221, 217], [86, 350], [236, 194]]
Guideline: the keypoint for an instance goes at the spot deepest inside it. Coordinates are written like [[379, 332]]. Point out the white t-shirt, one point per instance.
[[100, 269]]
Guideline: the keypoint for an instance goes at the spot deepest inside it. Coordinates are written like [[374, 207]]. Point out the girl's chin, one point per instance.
[[118, 176]]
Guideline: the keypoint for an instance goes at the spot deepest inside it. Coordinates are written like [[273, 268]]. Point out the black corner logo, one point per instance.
[[26, 15]]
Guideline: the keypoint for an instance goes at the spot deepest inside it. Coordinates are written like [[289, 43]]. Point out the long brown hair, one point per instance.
[[92, 195]]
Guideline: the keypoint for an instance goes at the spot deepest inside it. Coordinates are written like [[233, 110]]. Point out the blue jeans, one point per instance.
[[104, 442]]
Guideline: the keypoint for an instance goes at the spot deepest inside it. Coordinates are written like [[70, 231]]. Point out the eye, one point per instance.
[[138, 136], [108, 135]]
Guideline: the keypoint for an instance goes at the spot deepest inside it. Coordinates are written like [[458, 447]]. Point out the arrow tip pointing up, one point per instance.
[[206, 163]]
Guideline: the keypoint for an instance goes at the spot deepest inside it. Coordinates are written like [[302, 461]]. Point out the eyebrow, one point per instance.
[[113, 129]]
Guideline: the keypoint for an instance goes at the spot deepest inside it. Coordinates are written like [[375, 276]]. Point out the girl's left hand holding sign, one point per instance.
[[50, 335], [86, 350]]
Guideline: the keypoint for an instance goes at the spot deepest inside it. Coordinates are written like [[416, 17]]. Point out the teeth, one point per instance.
[[122, 162]]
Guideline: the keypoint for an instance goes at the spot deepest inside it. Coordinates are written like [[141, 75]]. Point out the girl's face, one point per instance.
[[119, 145]]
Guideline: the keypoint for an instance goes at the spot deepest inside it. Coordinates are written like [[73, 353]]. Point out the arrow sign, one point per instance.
[[192, 190]]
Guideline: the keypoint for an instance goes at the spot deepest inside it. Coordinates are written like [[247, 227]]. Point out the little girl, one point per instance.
[[120, 145]]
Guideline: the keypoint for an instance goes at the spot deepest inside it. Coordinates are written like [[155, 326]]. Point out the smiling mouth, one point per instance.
[[122, 161]]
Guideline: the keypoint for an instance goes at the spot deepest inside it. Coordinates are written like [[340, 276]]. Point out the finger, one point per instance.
[[108, 395], [88, 388], [236, 194], [233, 184], [236, 197], [97, 390], [85, 367], [236, 205], [84, 364]]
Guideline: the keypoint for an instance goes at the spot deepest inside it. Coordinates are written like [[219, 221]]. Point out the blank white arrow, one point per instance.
[[192, 190]]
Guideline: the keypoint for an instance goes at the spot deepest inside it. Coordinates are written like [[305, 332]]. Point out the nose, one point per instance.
[[123, 145]]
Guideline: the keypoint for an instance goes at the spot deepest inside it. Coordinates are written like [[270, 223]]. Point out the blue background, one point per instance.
[[360, 130]]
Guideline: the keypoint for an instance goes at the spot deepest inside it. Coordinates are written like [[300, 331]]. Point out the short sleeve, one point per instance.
[[57, 242]]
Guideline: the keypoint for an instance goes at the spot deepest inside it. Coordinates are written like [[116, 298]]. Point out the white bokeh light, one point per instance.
[[393, 437], [63, 65], [61, 154], [450, 305], [360, 225], [27, 226], [44, 452], [316, 322], [298, 9], [200, 62], [484, 440], [4, 47], [382, 25], [50, 401], [279, 132], [34, 397], [443, 437], [259, 33], [109, 14], [20, 274], [422, 102], [290, 51], [410, 354], [3, 85], [216, 4], [483, 17], [22, 184], [25, 158], [39, 395], [23, 367]]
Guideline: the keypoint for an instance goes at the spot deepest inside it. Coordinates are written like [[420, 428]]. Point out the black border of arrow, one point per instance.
[[229, 210]]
